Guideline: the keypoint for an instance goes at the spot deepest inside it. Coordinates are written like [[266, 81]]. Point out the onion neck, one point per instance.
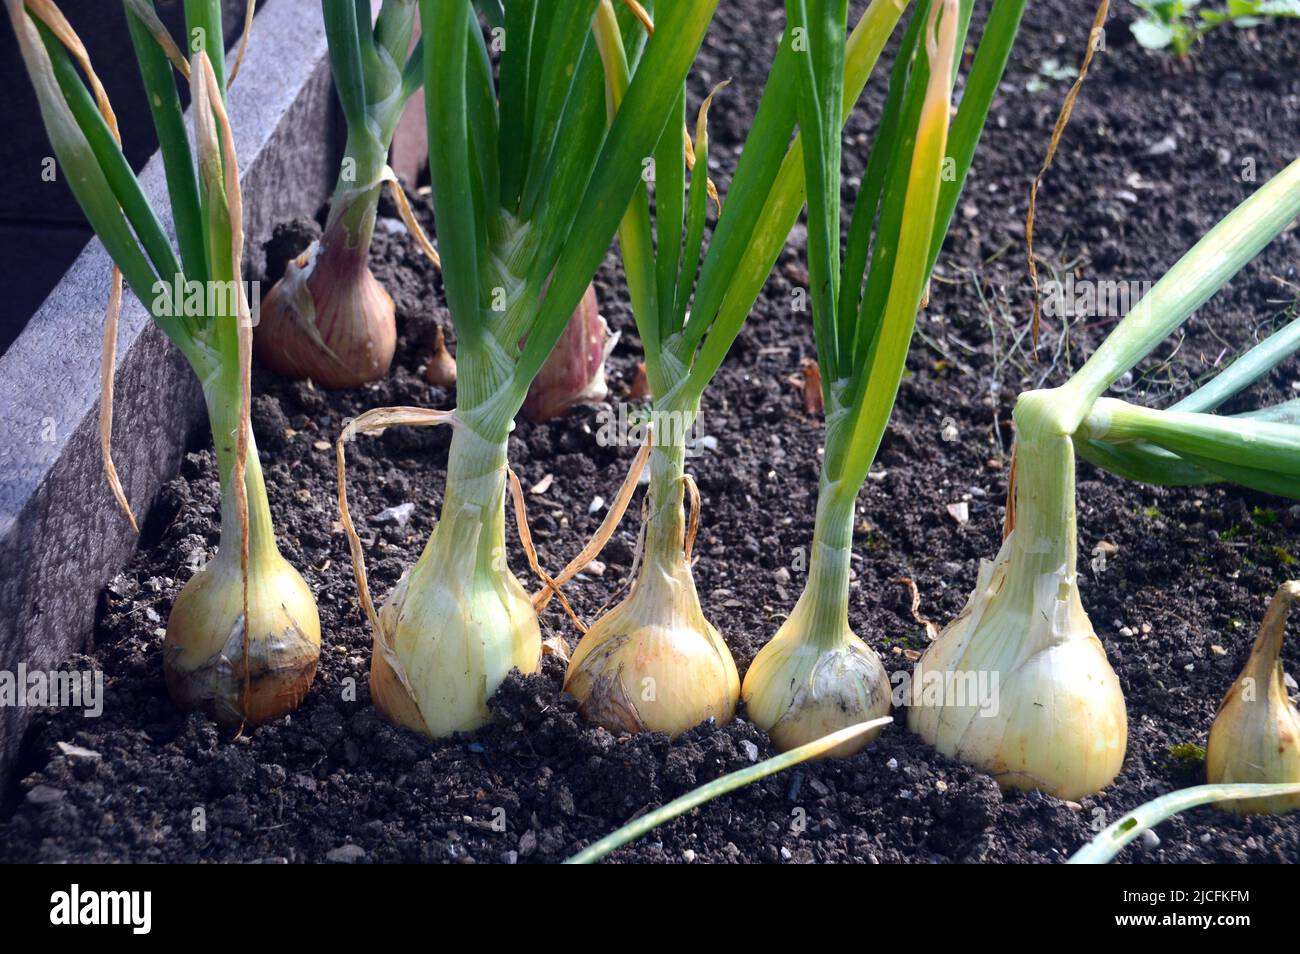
[[823, 607], [353, 209], [223, 417], [665, 542], [472, 519], [1265, 655], [1045, 538], [665, 579]]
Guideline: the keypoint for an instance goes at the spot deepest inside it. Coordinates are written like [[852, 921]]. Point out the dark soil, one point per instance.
[[1156, 154]]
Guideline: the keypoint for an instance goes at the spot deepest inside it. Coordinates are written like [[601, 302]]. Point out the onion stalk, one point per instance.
[[243, 637], [654, 661], [816, 675], [1256, 733], [527, 178], [1060, 723], [328, 318]]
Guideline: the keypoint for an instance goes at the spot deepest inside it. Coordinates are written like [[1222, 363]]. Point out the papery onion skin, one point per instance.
[[203, 651], [1256, 732], [797, 691], [665, 670], [574, 373], [459, 621], [654, 662]]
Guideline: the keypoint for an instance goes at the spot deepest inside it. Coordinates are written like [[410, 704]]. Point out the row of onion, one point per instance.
[[533, 169]]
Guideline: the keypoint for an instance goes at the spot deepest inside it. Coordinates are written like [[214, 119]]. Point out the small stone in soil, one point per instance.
[[345, 855], [77, 752], [45, 795], [399, 515]]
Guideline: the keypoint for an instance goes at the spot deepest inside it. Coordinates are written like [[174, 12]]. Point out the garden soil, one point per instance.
[[1174, 580]]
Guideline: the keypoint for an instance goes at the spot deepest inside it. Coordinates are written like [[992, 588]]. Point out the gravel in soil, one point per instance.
[[1157, 151]]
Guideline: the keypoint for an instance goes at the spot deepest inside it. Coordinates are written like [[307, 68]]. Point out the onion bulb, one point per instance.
[[815, 676], [574, 373], [459, 621], [654, 662], [1256, 733], [1018, 684], [440, 371], [328, 318], [204, 660]]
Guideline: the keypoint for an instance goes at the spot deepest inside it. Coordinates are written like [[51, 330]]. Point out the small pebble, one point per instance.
[[596, 504], [750, 749], [45, 795], [782, 575], [688, 856], [892, 765], [1150, 840], [77, 752], [398, 516], [345, 854], [594, 568]]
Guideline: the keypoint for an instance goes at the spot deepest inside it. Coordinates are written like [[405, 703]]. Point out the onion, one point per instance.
[[575, 371], [1018, 684], [1256, 733], [441, 369], [328, 318], [815, 676], [654, 662], [459, 621], [212, 661]]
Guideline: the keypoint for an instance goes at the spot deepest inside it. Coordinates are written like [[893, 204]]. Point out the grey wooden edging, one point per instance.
[[61, 534]]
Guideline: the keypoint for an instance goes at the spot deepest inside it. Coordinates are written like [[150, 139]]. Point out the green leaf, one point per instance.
[[174, 143], [1108, 844], [516, 71], [720, 786], [459, 225], [633, 135], [1152, 34]]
